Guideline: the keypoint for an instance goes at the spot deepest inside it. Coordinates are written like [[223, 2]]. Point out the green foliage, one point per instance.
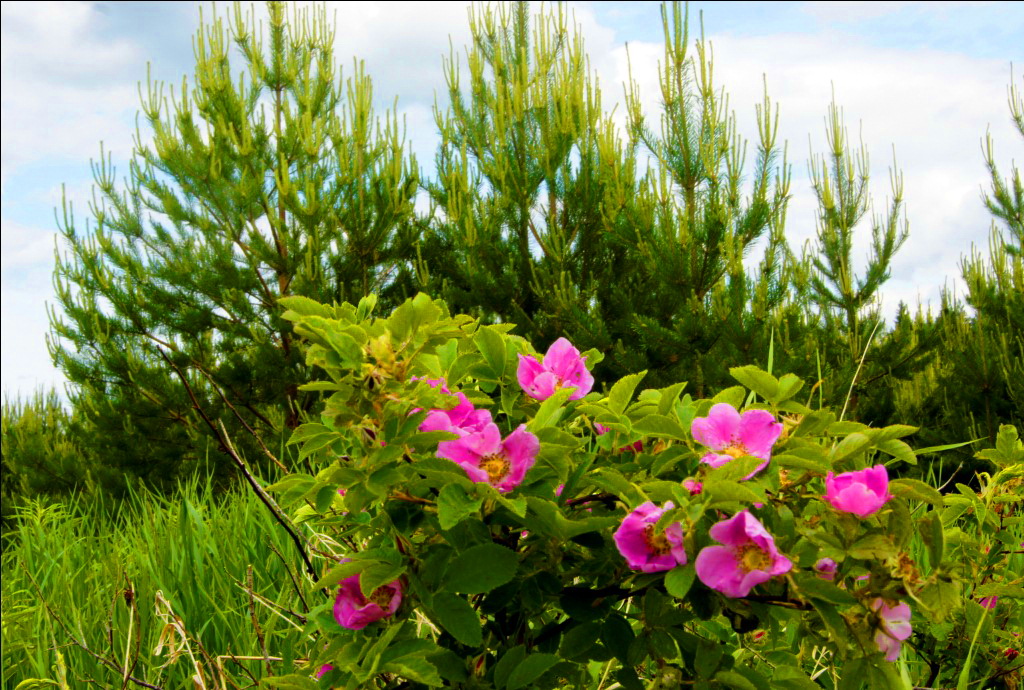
[[274, 182], [159, 585], [550, 599]]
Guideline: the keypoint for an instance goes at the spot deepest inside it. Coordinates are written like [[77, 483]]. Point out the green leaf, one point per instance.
[[789, 385], [849, 446], [1009, 448], [342, 571], [292, 681], [791, 461], [550, 411], [898, 449], [507, 663], [999, 589], [913, 488], [458, 618], [622, 391], [933, 537], [792, 678], [734, 680], [669, 396], [304, 306], [877, 546], [480, 569], [415, 669], [492, 346], [815, 587], [579, 639], [728, 491], [379, 574], [761, 382], [941, 598], [454, 504], [679, 580], [734, 396], [530, 669], [661, 426]]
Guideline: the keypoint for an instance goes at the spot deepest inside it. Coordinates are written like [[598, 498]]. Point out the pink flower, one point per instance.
[[826, 569], [730, 435], [461, 419], [562, 367], [894, 627], [636, 446], [747, 559], [486, 458], [862, 492], [354, 611], [642, 548], [988, 602], [324, 670]]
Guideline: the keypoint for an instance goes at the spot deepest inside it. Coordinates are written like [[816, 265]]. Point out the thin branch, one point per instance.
[[225, 443]]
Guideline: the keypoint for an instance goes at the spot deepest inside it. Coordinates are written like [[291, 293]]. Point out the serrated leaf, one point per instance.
[[728, 491], [815, 587], [849, 446], [530, 669], [898, 449], [342, 571], [458, 618], [733, 395], [480, 569], [791, 461], [304, 306], [761, 382], [292, 681], [789, 385], [378, 575], [579, 639], [873, 546], [454, 504], [507, 663], [550, 411], [914, 488], [679, 580], [660, 426], [492, 346], [999, 589], [734, 680], [622, 391]]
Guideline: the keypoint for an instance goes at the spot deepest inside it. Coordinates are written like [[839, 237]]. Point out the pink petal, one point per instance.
[[758, 432], [857, 499], [719, 429], [520, 448], [562, 359], [877, 480], [529, 369], [718, 568], [471, 447], [716, 460], [738, 530], [887, 645]]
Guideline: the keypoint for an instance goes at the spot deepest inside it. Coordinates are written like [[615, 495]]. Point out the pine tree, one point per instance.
[[269, 181]]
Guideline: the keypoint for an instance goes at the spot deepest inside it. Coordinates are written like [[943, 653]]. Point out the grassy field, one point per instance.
[[161, 585]]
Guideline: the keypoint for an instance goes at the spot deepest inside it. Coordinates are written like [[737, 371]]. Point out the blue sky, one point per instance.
[[926, 78]]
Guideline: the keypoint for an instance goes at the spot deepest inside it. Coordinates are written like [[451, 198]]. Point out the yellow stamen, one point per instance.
[[736, 451], [496, 467], [751, 558], [382, 597], [657, 543]]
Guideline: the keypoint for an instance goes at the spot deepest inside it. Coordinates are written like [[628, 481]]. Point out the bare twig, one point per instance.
[[252, 615], [226, 445]]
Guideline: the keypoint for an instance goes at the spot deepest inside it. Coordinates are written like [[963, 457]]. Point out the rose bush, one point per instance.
[[748, 542]]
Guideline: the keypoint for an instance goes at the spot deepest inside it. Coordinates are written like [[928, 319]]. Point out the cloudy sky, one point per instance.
[[926, 78]]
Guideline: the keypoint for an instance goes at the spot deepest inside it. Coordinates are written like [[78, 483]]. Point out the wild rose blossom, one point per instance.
[[324, 670], [730, 435], [862, 493], [462, 419], [988, 602], [645, 550], [487, 458], [354, 611], [562, 367], [894, 627], [746, 558]]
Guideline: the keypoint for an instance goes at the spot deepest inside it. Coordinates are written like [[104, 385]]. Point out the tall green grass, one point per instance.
[[77, 559]]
